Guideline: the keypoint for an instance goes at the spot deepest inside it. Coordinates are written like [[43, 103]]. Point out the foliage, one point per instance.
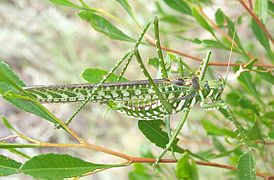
[[250, 98]]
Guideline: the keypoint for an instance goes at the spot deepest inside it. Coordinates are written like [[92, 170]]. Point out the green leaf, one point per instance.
[[231, 31], [102, 25], [245, 79], [218, 145], [271, 135], [246, 167], [94, 76], [186, 168], [270, 7], [8, 76], [179, 5], [212, 129], [200, 19], [213, 44], [8, 166], [154, 133], [31, 107], [126, 6], [219, 17], [260, 36], [139, 172], [240, 100], [267, 76], [255, 132], [7, 124], [154, 62], [146, 152], [56, 166], [261, 8], [66, 3], [10, 84]]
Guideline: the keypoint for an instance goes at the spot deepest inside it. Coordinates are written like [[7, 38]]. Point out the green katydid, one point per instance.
[[146, 99]]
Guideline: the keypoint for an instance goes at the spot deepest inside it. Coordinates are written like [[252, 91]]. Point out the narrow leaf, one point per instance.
[[10, 85], [126, 6], [271, 135], [267, 76], [200, 19], [246, 167], [102, 25], [139, 172], [218, 145], [208, 43], [154, 133], [7, 75], [255, 132], [212, 129], [56, 166], [261, 8], [179, 5], [219, 17], [154, 62], [260, 36], [186, 168], [8, 166], [246, 81], [66, 3], [231, 31], [7, 124], [94, 76], [240, 100]]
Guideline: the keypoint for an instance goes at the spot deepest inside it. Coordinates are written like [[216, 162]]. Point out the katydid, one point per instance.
[[148, 99]]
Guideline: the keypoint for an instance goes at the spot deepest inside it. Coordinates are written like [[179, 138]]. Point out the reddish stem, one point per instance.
[[150, 41], [201, 163], [257, 20]]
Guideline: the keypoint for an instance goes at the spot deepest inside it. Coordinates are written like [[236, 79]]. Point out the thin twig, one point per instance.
[[11, 137], [257, 20], [250, 4], [133, 159], [223, 33], [151, 42]]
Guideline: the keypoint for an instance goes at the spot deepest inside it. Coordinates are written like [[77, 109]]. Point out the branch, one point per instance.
[[250, 4], [130, 159], [151, 42], [11, 137], [257, 20]]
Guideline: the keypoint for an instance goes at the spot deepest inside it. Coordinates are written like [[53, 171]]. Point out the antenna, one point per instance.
[[230, 53]]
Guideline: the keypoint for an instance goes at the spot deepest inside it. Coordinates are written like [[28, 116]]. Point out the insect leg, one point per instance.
[[129, 53], [163, 71], [200, 72], [163, 101], [97, 87], [173, 138], [167, 121], [125, 67], [225, 110], [159, 50], [182, 65]]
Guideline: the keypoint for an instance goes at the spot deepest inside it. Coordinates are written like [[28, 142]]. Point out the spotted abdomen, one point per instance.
[[151, 109]]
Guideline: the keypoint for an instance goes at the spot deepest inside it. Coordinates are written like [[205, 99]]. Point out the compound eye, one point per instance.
[[179, 81], [207, 86], [221, 89], [220, 77]]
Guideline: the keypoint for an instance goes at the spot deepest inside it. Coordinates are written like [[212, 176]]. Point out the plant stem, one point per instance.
[[257, 20], [151, 42], [130, 159]]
